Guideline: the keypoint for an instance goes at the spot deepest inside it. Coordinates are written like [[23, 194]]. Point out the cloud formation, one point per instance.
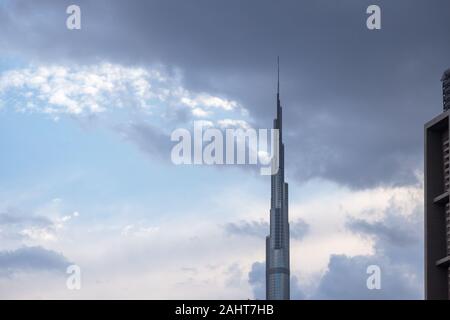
[[17, 226], [86, 90], [398, 248], [31, 259]]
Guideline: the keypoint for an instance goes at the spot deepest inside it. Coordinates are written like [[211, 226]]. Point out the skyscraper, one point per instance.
[[437, 207], [277, 243]]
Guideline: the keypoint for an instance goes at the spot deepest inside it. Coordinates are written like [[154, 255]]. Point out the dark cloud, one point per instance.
[[398, 236], [347, 276], [394, 234], [30, 259], [355, 100], [260, 229], [398, 251]]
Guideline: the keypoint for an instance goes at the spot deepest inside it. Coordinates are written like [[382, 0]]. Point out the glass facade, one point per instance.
[[277, 243]]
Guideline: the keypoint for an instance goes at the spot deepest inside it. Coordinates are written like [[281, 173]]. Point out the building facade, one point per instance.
[[437, 207], [277, 243]]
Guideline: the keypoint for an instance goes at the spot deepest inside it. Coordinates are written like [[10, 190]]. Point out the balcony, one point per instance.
[[444, 262], [441, 199]]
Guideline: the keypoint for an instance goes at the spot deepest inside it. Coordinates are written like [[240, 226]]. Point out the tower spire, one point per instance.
[[278, 82], [277, 242]]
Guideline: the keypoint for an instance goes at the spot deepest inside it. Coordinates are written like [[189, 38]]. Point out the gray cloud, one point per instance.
[[13, 222], [29, 259], [398, 252], [298, 229], [260, 229], [394, 234], [13, 217], [257, 280], [148, 138], [355, 100], [296, 289], [346, 279]]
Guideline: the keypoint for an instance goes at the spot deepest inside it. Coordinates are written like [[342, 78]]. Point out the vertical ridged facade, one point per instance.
[[277, 243], [446, 99], [437, 206]]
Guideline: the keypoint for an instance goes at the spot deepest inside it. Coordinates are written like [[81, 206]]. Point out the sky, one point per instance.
[[86, 117]]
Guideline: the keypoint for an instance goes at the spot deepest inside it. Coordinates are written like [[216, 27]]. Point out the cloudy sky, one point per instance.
[[85, 123]]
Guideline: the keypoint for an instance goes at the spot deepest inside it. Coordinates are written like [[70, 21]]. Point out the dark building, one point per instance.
[[277, 243], [437, 207]]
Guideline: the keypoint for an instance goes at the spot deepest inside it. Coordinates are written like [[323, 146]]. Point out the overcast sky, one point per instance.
[[85, 123]]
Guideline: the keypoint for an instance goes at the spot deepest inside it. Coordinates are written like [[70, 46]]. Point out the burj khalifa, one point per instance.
[[277, 243]]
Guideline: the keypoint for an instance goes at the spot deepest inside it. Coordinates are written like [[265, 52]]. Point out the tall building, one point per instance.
[[277, 243], [437, 207]]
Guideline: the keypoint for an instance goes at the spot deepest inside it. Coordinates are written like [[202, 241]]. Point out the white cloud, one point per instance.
[[233, 123], [199, 112], [208, 101], [138, 231], [39, 234], [46, 223], [93, 89]]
